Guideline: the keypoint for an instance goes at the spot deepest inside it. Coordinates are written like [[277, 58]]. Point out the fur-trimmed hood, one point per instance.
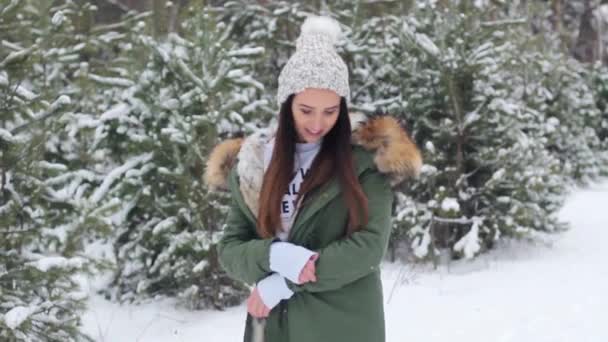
[[394, 154]]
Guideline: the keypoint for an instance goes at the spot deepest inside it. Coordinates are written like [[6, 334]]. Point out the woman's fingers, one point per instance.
[[250, 306], [308, 273], [257, 308], [265, 311], [305, 274], [255, 305], [304, 277], [312, 269], [312, 264], [259, 305]]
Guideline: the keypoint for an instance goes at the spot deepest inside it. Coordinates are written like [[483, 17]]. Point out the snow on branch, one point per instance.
[[508, 22], [115, 174], [469, 244]]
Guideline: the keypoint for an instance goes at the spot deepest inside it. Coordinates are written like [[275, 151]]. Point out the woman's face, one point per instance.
[[315, 112]]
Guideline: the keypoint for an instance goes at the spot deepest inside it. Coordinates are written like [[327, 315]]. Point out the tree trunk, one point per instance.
[[585, 47]]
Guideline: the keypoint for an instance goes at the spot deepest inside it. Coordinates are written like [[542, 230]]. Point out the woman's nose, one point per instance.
[[317, 123]]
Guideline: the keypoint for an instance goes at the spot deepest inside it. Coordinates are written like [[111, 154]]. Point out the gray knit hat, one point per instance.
[[315, 64]]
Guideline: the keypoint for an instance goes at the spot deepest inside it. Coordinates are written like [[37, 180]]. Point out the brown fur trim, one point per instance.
[[395, 153], [220, 161]]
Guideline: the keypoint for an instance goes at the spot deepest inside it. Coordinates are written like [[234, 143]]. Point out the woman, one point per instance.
[[311, 213]]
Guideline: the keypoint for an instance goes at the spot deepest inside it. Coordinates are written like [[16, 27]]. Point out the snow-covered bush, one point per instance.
[[194, 88], [41, 223], [488, 168]]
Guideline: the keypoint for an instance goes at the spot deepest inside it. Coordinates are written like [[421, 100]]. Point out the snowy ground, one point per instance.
[[521, 292]]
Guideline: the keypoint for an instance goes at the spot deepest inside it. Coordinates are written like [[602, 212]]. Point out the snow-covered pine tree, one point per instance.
[[88, 63], [40, 300], [600, 90], [487, 172], [560, 87], [196, 88], [365, 47], [272, 25]]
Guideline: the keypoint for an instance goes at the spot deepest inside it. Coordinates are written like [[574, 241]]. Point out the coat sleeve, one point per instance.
[[241, 252], [349, 259]]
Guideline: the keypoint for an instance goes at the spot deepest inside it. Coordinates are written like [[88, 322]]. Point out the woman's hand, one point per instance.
[[308, 272], [255, 305]]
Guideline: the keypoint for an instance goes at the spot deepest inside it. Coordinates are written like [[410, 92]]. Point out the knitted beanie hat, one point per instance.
[[315, 64]]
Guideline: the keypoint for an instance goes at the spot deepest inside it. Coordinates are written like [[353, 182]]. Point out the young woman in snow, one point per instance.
[[311, 212]]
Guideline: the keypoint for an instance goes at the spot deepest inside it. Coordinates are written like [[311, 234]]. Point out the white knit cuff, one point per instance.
[[273, 289], [288, 259]]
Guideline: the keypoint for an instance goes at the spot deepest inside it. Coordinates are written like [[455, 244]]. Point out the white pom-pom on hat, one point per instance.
[[325, 25]]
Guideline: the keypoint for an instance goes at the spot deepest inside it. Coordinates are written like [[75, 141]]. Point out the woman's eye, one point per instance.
[[329, 113], [306, 111]]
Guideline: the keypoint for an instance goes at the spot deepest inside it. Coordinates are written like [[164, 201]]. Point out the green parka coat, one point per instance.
[[345, 304]]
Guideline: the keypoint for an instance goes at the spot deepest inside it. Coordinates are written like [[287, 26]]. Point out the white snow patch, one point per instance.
[[519, 292], [46, 263], [469, 244], [450, 204], [17, 315]]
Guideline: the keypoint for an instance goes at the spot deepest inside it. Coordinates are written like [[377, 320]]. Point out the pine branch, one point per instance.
[[53, 110], [20, 231]]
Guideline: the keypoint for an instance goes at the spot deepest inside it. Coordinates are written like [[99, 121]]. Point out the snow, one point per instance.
[[164, 225], [254, 105], [17, 315], [11, 45], [61, 101], [422, 40], [192, 75], [602, 12], [420, 246], [551, 290], [480, 52], [46, 263], [52, 166], [499, 174], [110, 36], [480, 3], [111, 81], [426, 43], [469, 243], [247, 51], [115, 112], [116, 173], [20, 90], [450, 204], [58, 18], [200, 266], [10, 6], [9, 137], [15, 55], [521, 21]]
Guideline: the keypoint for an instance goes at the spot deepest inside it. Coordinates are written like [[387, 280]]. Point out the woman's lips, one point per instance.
[[313, 133]]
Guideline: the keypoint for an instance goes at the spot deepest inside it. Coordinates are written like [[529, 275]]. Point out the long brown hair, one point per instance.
[[334, 159]]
